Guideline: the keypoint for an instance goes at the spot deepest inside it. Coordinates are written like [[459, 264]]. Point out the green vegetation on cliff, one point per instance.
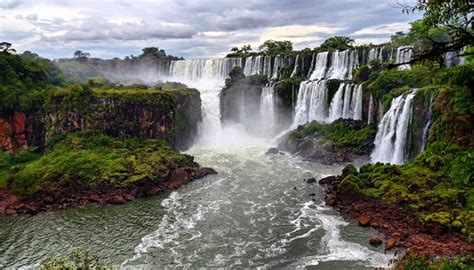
[[341, 133], [337, 142], [25, 81], [438, 184], [88, 160]]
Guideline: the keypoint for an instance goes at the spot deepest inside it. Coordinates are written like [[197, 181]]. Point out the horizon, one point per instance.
[[109, 29]]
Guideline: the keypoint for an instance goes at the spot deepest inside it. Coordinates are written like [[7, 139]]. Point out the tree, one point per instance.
[[273, 48], [240, 52], [152, 52], [6, 47], [454, 17], [81, 55], [337, 43]]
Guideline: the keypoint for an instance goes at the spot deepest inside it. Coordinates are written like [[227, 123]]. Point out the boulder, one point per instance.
[[311, 180], [375, 240], [273, 151], [364, 220]]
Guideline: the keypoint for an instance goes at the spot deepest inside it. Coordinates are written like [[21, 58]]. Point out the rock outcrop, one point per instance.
[[341, 141]]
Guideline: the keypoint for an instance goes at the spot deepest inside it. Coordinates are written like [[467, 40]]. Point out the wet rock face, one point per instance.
[[19, 131], [240, 98], [315, 146], [170, 116]]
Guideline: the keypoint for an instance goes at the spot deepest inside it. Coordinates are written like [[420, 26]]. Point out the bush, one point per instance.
[[90, 159]]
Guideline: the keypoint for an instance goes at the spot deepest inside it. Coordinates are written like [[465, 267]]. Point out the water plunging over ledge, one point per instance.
[[257, 212]]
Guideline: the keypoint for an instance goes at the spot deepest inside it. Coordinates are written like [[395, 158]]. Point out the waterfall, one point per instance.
[[197, 69], [342, 64], [295, 69], [335, 110], [370, 114], [390, 141], [346, 103], [267, 109], [404, 54], [427, 126], [320, 66], [254, 65], [311, 102], [276, 67], [267, 66], [375, 53], [311, 65]]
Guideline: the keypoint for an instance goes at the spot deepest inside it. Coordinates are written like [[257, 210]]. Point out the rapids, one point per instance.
[[257, 212]]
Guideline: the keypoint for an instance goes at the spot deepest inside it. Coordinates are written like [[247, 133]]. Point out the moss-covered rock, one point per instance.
[[168, 114], [338, 142]]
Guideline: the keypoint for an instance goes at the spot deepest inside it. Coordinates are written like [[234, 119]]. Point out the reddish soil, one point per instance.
[[77, 195], [401, 227]]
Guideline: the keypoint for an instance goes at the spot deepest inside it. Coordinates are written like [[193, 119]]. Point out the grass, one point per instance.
[[90, 159]]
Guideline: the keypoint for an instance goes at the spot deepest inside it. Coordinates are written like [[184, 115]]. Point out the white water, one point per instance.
[[313, 104], [320, 66], [404, 54], [342, 64], [370, 117], [392, 132], [257, 221], [268, 110], [297, 64]]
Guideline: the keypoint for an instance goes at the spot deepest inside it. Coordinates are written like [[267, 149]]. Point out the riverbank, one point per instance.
[[91, 167], [401, 228]]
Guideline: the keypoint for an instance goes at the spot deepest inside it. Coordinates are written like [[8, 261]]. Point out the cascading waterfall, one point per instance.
[[404, 54], [295, 69], [342, 64], [197, 69], [268, 109], [427, 126], [370, 115], [320, 66], [390, 141], [346, 103], [312, 102], [311, 65], [276, 67]]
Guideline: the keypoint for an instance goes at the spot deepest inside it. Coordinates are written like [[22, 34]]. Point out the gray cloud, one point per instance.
[[9, 3], [93, 30], [191, 28]]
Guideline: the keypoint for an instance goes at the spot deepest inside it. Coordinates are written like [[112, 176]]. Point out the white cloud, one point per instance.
[[383, 29]]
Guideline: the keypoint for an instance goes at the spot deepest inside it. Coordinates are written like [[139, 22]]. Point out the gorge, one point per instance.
[[342, 156]]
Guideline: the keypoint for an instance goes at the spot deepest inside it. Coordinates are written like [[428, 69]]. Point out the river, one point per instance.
[[257, 212]]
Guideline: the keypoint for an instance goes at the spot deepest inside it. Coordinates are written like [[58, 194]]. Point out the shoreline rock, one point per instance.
[[401, 227], [75, 196]]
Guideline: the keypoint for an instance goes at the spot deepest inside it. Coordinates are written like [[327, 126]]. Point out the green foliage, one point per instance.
[[383, 83], [342, 133], [25, 81], [77, 259], [240, 52], [337, 43], [415, 262], [90, 159], [438, 185], [418, 31], [274, 48]]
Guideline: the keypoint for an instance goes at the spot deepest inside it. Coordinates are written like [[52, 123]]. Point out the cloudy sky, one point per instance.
[[190, 28]]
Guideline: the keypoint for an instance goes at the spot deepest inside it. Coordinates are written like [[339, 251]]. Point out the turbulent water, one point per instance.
[[390, 141], [257, 212]]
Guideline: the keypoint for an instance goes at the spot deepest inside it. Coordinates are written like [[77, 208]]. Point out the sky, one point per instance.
[[191, 28]]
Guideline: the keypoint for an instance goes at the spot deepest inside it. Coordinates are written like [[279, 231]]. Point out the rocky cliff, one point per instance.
[[169, 114]]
